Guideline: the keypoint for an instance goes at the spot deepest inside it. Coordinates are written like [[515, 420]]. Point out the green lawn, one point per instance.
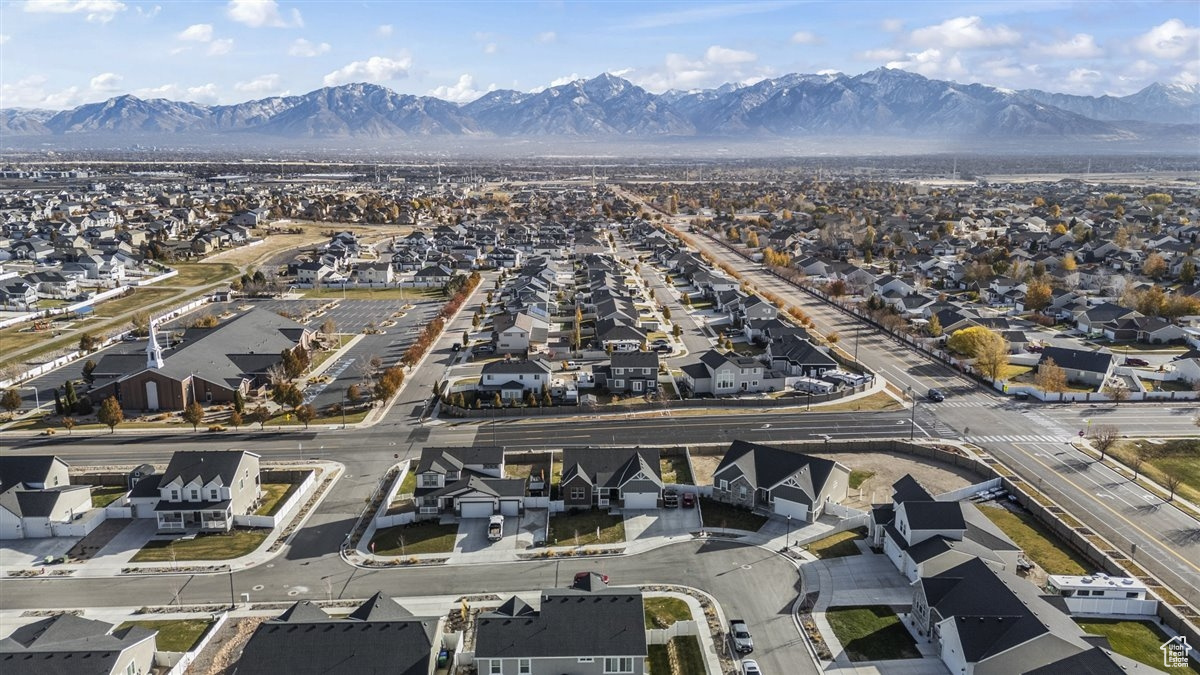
[[675, 470], [838, 545], [687, 651], [1138, 640], [579, 529], [225, 546], [424, 537], [658, 660], [871, 633], [725, 516], [174, 636], [409, 484], [663, 612], [857, 478], [1175, 457], [201, 273], [274, 495], [103, 496], [1038, 543]]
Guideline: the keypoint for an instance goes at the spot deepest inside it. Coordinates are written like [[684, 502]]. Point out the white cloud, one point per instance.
[[882, 54], [620, 73], [260, 13], [547, 37], [375, 69], [1172, 39], [4, 38], [489, 48], [30, 92], [463, 91], [304, 48], [717, 54], [892, 25], [148, 13], [261, 85], [964, 32], [1080, 46], [199, 32], [106, 82], [565, 79], [96, 11], [385, 30], [803, 37], [931, 63], [205, 93], [220, 47]]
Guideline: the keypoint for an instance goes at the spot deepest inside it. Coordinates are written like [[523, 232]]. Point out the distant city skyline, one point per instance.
[[60, 53]]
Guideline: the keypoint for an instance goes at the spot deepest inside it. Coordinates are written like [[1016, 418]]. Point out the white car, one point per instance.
[[750, 667]]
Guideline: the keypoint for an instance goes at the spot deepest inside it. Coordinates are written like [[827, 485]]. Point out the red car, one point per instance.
[[689, 500], [584, 575]]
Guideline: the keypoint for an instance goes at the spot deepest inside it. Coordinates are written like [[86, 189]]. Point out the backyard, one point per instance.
[[725, 516], [688, 657], [414, 539], [662, 612], [586, 528], [102, 496], [871, 633], [1138, 640], [1038, 543], [273, 496], [675, 470], [178, 635], [217, 546]]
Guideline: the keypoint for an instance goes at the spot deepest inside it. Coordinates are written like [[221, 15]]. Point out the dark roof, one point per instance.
[[766, 467], [23, 469], [1077, 359], [67, 645], [1095, 661], [443, 460], [798, 350], [380, 607], [635, 360], [934, 515], [207, 465], [570, 623], [908, 489], [610, 467], [36, 503], [515, 366]]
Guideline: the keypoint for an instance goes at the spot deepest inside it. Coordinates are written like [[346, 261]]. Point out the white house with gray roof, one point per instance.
[[205, 489]]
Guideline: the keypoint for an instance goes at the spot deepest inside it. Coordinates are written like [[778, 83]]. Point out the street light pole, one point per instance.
[[37, 403], [787, 541], [232, 596]]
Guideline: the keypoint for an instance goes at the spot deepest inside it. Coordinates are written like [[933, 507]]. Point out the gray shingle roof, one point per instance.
[[1077, 359], [206, 465], [765, 466], [611, 467], [570, 623]]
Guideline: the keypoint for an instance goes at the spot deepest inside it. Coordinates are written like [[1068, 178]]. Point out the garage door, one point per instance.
[[510, 507], [477, 509], [10, 528], [641, 500], [794, 509]]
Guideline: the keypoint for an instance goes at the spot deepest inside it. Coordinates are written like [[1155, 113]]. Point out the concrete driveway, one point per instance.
[[16, 553], [867, 579], [647, 524]]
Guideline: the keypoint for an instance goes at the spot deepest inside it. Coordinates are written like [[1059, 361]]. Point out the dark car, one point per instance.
[[457, 346], [483, 349], [689, 500], [1034, 349], [581, 576], [662, 349], [1137, 362], [670, 498], [936, 395]]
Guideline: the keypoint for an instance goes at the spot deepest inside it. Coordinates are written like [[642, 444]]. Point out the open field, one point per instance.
[[177, 635], [225, 546], [871, 633], [201, 273]]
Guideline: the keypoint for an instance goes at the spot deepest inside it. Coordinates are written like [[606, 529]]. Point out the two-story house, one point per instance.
[[376, 273], [65, 643], [518, 333], [466, 481], [205, 489], [783, 482], [796, 355], [625, 477], [725, 374], [36, 496], [597, 631], [631, 373], [512, 379]]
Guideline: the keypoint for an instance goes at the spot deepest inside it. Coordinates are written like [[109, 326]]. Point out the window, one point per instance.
[[195, 495], [742, 492], [524, 667], [724, 485], [617, 384], [1131, 594], [497, 667], [174, 495], [213, 494], [618, 664], [576, 493], [131, 669], [429, 480], [637, 385], [585, 659]]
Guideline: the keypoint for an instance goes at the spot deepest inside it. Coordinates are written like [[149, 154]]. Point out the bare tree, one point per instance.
[[1117, 392], [1172, 482], [1136, 462], [277, 375], [1103, 437]]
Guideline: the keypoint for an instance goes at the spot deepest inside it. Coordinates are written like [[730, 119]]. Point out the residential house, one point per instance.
[[15, 293], [618, 337], [66, 643], [433, 275], [1144, 329], [781, 482], [519, 333], [206, 489], [1082, 366], [630, 373], [1093, 319], [796, 355], [512, 379], [36, 497], [582, 631], [618, 477], [725, 374], [466, 481], [379, 636], [376, 273]]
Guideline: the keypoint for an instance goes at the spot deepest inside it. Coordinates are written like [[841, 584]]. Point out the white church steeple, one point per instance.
[[153, 351]]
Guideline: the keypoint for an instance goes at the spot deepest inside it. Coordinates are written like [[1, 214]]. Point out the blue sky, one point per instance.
[[60, 53]]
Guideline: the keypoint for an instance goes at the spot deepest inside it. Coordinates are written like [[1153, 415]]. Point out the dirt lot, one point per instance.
[[887, 467]]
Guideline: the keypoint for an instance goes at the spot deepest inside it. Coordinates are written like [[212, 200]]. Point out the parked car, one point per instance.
[[660, 341], [750, 667], [936, 395], [663, 349], [484, 349], [457, 346], [1141, 363], [580, 576], [1034, 349], [670, 499], [689, 500], [739, 632], [495, 528]]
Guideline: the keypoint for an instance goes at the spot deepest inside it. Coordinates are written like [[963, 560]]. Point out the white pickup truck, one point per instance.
[[495, 528]]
